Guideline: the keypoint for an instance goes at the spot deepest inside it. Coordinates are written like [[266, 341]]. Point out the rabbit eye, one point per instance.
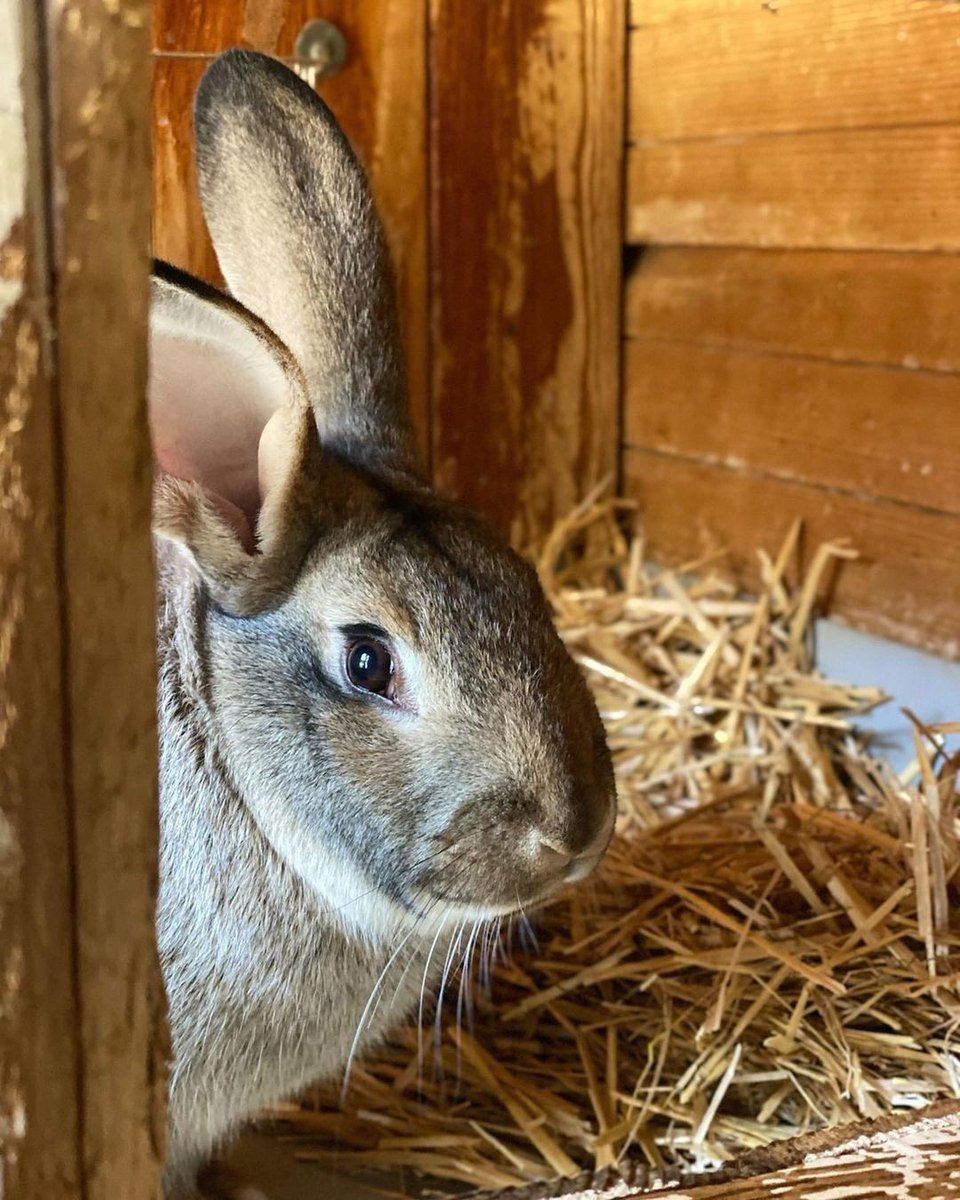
[[370, 667]]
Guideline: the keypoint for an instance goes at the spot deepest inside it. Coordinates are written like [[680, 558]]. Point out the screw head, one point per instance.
[[321, 46]]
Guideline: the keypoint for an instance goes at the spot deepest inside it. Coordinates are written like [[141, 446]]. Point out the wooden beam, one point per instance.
[[733, 67], [865, 430], [898, 309], [100, 103], [39, 1035], [903, 586], [526, 164], [914, 1156], [861, 189], [81, 1046]]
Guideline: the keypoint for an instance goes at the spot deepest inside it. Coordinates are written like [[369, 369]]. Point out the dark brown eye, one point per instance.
[[369, 666]]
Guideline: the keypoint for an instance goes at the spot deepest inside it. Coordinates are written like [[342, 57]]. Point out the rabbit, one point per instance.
[[371, 737]]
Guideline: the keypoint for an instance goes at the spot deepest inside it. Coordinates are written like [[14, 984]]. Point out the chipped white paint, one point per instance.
[[9, 851], [13, 148], [912, 1157], [13, 1128]]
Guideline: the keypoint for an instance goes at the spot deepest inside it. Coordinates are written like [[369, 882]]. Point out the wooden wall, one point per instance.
[[492, 134], [792, 228], [792, 332], [82, 1045]]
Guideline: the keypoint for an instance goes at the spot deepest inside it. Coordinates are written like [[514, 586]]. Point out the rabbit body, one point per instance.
[[372, 738]]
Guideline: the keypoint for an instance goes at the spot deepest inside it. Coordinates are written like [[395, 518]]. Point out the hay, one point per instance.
[[771, 946]]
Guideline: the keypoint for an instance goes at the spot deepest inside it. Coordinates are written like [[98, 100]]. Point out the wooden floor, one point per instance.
[[913, 1155]]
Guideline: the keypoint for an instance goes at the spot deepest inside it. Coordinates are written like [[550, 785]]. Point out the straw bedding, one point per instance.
[[772, 946]]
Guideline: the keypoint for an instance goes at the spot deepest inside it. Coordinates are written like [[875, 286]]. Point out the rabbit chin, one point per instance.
[[350, 895], [370, 911], [359, 904]]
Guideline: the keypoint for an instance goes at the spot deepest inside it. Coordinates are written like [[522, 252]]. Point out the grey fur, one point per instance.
[[314, 837]]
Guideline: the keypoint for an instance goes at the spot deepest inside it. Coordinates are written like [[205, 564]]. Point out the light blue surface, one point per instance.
[[927, 685]]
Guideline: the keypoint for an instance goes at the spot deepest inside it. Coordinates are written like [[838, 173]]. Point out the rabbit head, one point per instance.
[[388, 692]]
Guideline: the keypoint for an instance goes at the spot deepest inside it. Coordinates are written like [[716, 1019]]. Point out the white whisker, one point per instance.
[[438, 1022], [466, 981], [423, 988], [367, 1007]]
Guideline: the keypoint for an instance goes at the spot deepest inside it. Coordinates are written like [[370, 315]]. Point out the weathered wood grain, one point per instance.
[[100, 156], [704, 69], [878, 189], [81, 1069], [183, 27], [526, 118], [795, 179], [898, 309], [911, 1155], [379, 96], [861, 429], [904, 586], [39, 1033], [179, 233]]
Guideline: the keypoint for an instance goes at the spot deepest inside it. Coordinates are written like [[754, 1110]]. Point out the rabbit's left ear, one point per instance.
[[232, 435], [297, 238]]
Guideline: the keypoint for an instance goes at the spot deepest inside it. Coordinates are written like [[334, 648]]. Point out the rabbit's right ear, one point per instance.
[[235, 448], [299, 243]]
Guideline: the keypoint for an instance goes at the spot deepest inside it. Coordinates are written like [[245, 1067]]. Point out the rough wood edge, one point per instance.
[[637, 1178], [526, 117], [99, 154]]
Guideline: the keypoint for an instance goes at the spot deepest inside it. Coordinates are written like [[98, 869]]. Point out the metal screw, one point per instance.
[[321, 48]]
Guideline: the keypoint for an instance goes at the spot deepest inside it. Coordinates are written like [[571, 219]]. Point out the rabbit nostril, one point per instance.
[[553, 855], [580, 867], [582, 864]]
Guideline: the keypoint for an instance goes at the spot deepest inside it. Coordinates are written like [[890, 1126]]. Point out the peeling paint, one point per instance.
[[90, 106], [537, 105], [9, 848], [13, 1123], [13, 147], [16, 505]]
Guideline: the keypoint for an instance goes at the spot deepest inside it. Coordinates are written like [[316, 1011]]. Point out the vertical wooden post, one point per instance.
[[39, 1147], [526, 166], [81, 1080]]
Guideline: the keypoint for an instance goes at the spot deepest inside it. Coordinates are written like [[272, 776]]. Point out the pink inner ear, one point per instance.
[[214, 385]]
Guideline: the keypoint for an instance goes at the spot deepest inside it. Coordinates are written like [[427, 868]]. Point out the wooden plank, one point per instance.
[[379, 96], [179, 233], [526, 166], [864, 429], [898, 309], [909, 1156], [892, 189], [745, 67], [669, 12], [904, 586], [184, 27], [81, 1073], [39, 1034], [100, 158]]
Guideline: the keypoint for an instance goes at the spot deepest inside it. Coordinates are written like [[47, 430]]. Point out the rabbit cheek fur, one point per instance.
[[323, 846]]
